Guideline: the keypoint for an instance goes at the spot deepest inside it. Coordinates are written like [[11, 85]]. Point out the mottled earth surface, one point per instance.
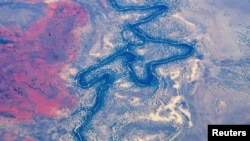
[[122, 70]]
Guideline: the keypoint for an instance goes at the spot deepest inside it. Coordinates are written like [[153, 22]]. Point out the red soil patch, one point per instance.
[[31, 61]]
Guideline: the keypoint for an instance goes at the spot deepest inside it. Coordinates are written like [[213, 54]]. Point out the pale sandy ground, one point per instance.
[[222, 30]]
